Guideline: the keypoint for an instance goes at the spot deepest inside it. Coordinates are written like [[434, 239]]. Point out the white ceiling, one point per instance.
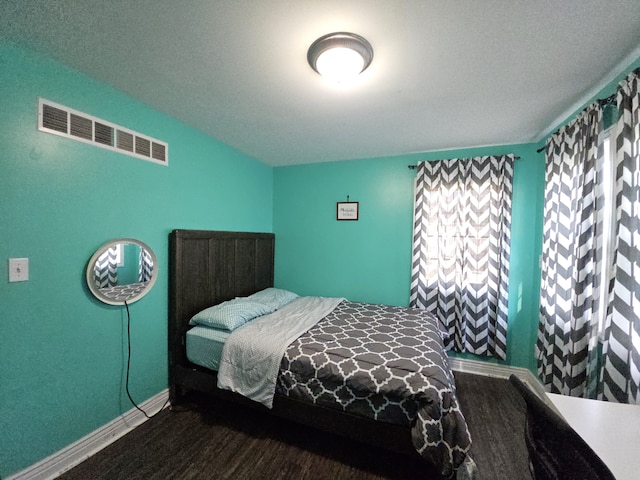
[[445, 73]]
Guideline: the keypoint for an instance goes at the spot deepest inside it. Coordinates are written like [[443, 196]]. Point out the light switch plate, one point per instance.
[[18, 269]]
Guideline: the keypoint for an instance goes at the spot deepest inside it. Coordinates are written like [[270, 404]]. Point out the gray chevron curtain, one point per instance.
[[461, 249], [105, 271], [621, 350], [566, 348]]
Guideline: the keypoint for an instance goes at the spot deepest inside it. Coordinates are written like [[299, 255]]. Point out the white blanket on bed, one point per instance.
[[252, 354]]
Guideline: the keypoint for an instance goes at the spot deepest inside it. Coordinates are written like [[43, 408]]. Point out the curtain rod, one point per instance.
[[610, 100], [413, 167]]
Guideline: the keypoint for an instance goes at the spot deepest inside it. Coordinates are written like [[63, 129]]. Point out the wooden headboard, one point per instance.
[[207, 268]]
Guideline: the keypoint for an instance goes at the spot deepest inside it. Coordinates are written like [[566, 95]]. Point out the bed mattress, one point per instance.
[[204, 346]]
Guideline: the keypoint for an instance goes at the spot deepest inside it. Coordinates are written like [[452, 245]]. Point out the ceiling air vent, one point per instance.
[[69, 123], [81, 127], [54, 118], [103, 134], [125, 141], [143, 146], [159, 151]]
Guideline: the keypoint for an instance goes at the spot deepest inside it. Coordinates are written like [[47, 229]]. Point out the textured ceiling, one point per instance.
[[445, 74]]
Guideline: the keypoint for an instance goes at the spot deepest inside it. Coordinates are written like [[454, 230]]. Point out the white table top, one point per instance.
[[612, 430]]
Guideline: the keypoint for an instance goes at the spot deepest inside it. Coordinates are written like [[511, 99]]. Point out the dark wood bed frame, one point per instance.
[[209, 267]]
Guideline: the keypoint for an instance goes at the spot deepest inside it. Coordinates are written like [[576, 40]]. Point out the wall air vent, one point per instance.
[[66, 122]]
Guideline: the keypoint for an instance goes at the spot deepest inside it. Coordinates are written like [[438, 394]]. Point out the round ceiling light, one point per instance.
[[340, 56]]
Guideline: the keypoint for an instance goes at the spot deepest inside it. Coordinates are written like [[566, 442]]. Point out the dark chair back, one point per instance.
[[556, 451]]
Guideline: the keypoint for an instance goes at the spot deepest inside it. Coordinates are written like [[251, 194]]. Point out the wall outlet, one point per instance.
[[18, 269]]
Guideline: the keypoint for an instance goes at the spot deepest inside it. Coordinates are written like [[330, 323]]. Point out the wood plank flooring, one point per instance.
[[227, 441]]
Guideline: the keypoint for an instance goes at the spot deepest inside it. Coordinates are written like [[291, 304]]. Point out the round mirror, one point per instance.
[[122, 270]]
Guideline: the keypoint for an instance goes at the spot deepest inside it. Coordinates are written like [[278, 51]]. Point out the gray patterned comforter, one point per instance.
[[387, 363]]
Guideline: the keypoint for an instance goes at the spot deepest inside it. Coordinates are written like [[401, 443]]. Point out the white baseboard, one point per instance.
[[499, 371], [70, 456]]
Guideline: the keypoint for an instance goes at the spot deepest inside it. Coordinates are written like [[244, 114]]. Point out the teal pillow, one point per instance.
[[274, 298], [231, 314]]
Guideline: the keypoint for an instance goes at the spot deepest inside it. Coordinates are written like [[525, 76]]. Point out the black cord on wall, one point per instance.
[[129, 366]]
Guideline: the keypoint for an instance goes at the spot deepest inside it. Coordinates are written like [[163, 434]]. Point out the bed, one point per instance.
[[400, 396]]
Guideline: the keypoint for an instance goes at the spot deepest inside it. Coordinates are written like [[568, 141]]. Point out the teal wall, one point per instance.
[[370, 260], [63, 353]]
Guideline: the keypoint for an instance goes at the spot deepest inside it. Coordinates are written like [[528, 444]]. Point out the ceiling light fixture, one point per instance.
[[340, 56]]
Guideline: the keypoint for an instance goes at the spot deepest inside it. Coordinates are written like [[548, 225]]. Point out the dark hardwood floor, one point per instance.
[[226, 441]]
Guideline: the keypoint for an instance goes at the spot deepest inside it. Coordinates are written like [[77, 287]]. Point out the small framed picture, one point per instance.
[[347, 211]]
